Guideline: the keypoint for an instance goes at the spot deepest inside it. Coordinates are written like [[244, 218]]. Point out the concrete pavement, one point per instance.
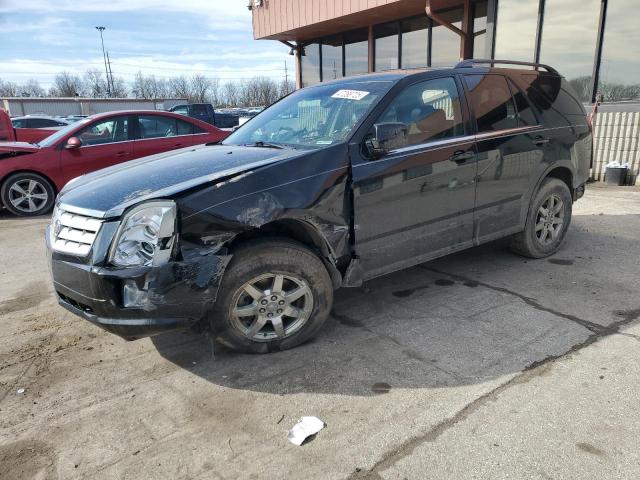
[[478, 365]]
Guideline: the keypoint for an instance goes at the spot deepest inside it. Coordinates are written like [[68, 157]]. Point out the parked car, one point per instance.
[[206, 113], [31, 174], [336, 184], [25, 129], [39, 121]]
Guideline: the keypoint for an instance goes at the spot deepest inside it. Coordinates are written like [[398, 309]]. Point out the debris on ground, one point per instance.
[[306, 427]]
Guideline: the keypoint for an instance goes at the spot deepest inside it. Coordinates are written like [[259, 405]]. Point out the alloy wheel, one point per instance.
[[550, 220], [271, 306], [28, 195]]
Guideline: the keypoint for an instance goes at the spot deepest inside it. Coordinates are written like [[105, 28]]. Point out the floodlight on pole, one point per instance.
[[104, 56]]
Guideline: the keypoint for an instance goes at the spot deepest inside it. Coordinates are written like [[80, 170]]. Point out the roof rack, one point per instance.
[[472, 61]]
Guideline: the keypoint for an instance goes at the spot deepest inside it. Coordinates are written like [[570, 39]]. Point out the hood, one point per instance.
[[108, 192], [18, 147]]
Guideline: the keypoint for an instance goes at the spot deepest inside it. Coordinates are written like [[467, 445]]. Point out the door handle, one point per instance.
[[178, 145], [461, 156], [122, 154], [540, 141]]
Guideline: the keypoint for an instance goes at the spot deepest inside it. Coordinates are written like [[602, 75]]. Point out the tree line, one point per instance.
[[197, 88]]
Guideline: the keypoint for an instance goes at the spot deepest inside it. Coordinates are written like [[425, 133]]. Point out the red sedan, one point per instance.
[[32, 174]]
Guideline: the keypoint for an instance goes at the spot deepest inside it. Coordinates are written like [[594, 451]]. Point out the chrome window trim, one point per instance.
[[160, 138], [436, 144], [100, 144], [508, 132]]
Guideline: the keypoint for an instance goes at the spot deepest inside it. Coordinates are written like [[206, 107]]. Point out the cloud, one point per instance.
[[221, 14], [164, 38]]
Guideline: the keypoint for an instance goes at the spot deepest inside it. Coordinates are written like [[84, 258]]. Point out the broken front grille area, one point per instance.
[[73, 234], [75, 304]]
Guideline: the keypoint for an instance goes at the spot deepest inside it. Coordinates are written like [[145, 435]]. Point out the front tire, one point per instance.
[[547, 222], [27, 194], [275, 295]]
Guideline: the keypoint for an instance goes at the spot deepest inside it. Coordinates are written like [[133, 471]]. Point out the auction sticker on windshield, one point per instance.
[[350, 94]]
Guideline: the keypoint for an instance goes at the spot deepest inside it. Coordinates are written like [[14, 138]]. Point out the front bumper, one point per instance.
[[158, 299]]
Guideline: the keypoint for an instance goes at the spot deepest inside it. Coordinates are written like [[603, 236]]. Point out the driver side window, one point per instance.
[[430, 110], [106, 131]]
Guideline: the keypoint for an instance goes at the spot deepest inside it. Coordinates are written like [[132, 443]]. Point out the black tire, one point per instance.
[[529, 242], [42, 188], [263, 258]]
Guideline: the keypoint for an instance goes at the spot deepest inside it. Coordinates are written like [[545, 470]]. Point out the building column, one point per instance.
[[298, 62]]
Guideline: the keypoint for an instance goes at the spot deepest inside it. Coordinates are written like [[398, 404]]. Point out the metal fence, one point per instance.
[[617, 139]]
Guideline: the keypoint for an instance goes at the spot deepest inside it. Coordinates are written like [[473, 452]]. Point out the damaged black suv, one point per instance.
[[333, 185]]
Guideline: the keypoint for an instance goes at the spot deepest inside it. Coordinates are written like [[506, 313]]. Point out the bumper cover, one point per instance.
[[158, 299]]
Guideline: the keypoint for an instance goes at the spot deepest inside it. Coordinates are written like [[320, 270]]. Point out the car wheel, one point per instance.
[[275, 295], [27, 194], [547, 222]]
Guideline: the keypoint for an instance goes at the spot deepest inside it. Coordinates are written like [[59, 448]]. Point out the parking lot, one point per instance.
[[478, 365]]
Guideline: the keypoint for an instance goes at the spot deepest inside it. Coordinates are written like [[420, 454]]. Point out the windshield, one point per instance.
[[313, 117], [52, 139]]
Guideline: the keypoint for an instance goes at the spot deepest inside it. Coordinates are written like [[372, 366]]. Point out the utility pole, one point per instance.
[[104, 56], [113, 85], [286, 78]]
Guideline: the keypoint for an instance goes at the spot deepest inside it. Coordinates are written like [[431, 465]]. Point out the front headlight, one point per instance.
[[145, 236]]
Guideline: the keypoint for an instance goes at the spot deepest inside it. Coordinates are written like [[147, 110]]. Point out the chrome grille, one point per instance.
[[72, 233]]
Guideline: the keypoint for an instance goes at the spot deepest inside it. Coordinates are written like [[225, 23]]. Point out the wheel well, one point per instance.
[[564, 174], [301, 232]]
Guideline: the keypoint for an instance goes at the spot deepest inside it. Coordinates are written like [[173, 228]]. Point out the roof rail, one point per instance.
[[472, 61]]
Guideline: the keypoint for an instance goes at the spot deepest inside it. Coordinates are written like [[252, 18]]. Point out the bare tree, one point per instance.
[[8, 89], [200, 86], [32, 89], [179, 87], [231, 94], [119, 88], [259, 91], [214, 92], [95, 83], [67, 85], [286, 87]]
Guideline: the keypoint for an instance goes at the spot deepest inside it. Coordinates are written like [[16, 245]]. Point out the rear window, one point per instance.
[[199, 110], [553, 97], [42, 123]]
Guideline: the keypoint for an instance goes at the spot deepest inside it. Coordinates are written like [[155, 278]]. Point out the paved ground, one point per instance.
[[479, 365]]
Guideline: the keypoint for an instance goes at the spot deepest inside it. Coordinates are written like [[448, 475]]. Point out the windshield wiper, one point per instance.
[[262, 144]]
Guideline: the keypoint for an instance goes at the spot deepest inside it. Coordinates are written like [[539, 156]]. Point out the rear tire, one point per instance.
[[547, 222], [274, 295], [27, 194]]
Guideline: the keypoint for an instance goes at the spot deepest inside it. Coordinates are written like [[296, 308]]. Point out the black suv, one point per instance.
[[333, 185]]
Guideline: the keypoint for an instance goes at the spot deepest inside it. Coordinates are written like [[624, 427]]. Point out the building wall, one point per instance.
[[81, 106], [302, 19]]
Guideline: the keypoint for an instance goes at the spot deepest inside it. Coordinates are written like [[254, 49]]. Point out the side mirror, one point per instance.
[[73, 143], [387, 137]]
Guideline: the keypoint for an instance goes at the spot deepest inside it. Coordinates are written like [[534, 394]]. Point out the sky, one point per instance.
[[162, 37]]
